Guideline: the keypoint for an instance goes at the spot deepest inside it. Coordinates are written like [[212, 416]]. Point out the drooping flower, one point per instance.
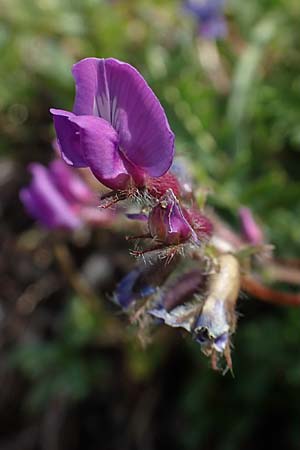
[[217, 319], [117, 128], [210, 17], [250, 229], [204, 305], [58, 198]]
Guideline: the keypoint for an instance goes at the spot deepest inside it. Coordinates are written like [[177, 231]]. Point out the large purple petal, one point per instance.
[[68, 138], [117, 92], [99, 145], [45, 203]]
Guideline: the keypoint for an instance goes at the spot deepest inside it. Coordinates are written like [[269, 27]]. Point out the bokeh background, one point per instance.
[[72, 373]]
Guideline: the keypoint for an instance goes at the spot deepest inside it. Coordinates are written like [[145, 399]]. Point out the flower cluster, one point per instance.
[[118, 130]]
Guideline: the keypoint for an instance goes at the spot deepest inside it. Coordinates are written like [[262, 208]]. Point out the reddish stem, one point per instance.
[[266, 294]]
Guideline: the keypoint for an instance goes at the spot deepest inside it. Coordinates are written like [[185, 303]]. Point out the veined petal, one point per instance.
[[92, 93], [116, 92], [68, 138], [99, 145], [144, 132]]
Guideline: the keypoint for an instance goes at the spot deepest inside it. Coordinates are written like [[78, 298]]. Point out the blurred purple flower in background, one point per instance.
[[210, 17], [58, 198], [118, 128], [250, 229]]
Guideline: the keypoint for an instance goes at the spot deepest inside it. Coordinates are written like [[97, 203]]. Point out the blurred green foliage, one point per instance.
[[58, 367], [244, 144]]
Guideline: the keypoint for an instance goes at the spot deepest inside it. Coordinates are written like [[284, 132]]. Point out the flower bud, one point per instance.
[[167, 222]]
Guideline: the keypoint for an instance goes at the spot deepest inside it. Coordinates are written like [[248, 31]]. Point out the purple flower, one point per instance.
[[117, 128], [209, 14], [167, 222], [251, 231], [58, 198]]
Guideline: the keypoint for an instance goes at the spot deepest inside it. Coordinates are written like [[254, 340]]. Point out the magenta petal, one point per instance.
[[68, 138], [117, 92], [99, 145]]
